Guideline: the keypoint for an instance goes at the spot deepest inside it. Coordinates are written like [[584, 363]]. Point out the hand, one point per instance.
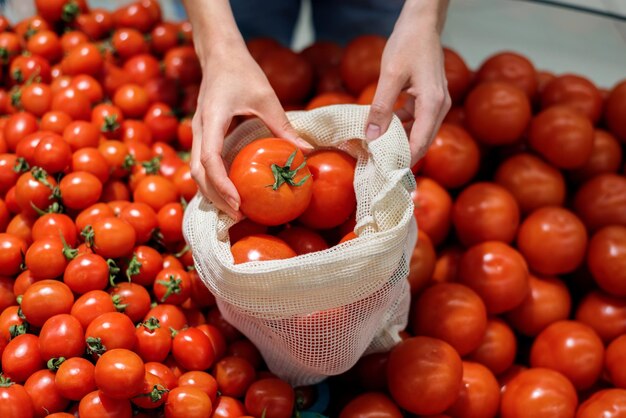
[[232, 84], [413, 60]]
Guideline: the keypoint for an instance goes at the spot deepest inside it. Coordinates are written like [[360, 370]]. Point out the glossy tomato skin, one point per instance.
[[371, 403], [601, 201], [610, 403], [479, 396], [91, 305], [21, 357], [97, 403], [44, 393], [260, 247], [548, 301], [113, 237], [234, 375], [75, 378], [273, 395], [11, 255], [485, 212], [61, 336], [192, 349], [497, 113], [433, 209], [614, 361], [119, 373], [574, 91], [113, 330], [606, 259], [616, 110], [497, 272], [44, 299], [427, 366], [458, 74], [537, 393], [134, 297], [251, 173], [498, 348], [15, 402], [553, 241], [605, 313], [188, 402], [512, 68], [451, 312], [333, 198], [606, 157]]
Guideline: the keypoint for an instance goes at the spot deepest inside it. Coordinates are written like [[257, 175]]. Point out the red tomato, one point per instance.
[[162, 123], [277, 163], [75, 378], [576, 92], [8, 176], [148, 263], [479, 396], [615, 357], [14, 400], [538, 393], [371, 403], [333, 199], [497, 113], [571, 348], [153, 341], [25, 68], [453, 158], [187, 187], [156, 191], [192, 349], [498, 348], [97, 404], [553, 241], [511, 68], [60, 10], [601, 201], [170, 221], [11, 256], [47, 257], [485, 212], [17, 127], [615, 110], [132, 100], [113, 237], [54, 121], [497, 272], [451, 312], [303, 240], [181, 64], [61, 336], [172, 285], [53, 224], [234, 375], [119, 374], [433, 209], [563, 136], [428, 366], [21, 357], [91, 161], [91, 305], [80, 189], [457, 74], [141, 68], [36, 98], [604, 313], [142, 218], [227, 407], [169, 316], [329, 99], [154, 393], [360, 64], [44, 394], [188, 402], [547, 302], [73, 102], [93, 214], [260, 247], [46, 44], [83, 59], [108, 331], [274, 396], [606, 157], [200, 380], [531, 181], [604, 403], [134, 298], [606, 259], [289, 74], [44, 299], [128, 42]]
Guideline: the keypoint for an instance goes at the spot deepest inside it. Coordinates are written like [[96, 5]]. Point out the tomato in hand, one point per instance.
[[260, 247], [273, 181], [451, 312], [333, 198], [271, 397], [427, 366]]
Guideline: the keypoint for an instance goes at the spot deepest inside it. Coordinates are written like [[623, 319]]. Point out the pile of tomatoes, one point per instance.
[[518, 280]]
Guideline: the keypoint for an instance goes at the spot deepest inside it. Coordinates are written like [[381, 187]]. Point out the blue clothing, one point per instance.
[[333, 20]]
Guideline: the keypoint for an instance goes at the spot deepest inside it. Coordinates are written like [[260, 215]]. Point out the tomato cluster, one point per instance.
[[518, 278]]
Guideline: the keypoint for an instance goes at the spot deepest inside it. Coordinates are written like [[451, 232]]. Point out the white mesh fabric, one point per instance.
[[316, 314]]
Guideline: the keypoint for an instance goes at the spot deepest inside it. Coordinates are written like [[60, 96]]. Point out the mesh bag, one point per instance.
[[315, 315]]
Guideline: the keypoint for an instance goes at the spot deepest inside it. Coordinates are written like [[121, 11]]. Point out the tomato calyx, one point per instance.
[[110, 123], [54, 363], [69, 252], [16, 98], [152, 166], [184, 250], [54, 207], [88, 235], [4, 56], [129, 162], [17, 76], [172, 284], [19, 329], [117, 303], [113, 271], [134, 268], [151, 324], [95, 346], [70, 11], [156, 394], [285, 174], [21, 165], [5, 381], [173, 332]]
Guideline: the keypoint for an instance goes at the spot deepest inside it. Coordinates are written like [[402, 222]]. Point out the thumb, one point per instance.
[[276, 120], [381, 110]]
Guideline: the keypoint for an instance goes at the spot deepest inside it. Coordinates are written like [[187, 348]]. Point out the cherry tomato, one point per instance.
[[54, 121], [497, 272], [148, 263], [188, 402], [234, 375], [85, 58], [497, 113], [576, 92], [192, 349], [426, 365], [91, 161], [604, 313], [601, 201], [451, 312], [371, 403], [606, 157], [113, 237], [44, 394], [61, 336], [17, 127], [498, 348], [11, 256], [170, 220], [260, 247], [156, 191], [615, 109], [80, 189], [21, 357], [274, 396], [153, 341], [547, 302], [604, 403], [172, 285], [14, 400], [55, 224], [89, 86], [73, 102], [553, 241], [511, 68], [433, 209], [169, 316], [153, 394], [81, 134], [97, 404], [606, 259], [44, 299], [538, 393], [457, 74], [91, 305], [422, 263], [302, 240], [36, 98], [485, 212], [614, 360], [74, 378], [360, 64], [479, 395], [228, 407], [108, 331], [119, 374], [134, 298]]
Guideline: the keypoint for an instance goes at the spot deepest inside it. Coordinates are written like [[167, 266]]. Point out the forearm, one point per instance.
[[213, 25], [426, 13]]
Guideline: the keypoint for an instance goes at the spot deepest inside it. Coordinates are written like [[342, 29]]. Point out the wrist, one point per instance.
[[424, 15]]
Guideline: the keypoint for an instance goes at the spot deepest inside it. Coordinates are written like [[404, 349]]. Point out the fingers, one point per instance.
[[276, 120], [381, 110]]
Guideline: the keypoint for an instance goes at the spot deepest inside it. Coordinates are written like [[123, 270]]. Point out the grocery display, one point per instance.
[[517, 281]]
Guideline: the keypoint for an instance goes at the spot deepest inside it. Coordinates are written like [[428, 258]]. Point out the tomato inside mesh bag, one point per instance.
[[316, 314]]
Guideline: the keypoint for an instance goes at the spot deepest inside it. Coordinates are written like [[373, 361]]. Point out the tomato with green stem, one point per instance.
[[108, 331], [74, 378], [273, 181], [153, 394], [144, 265], [14, 400], [172, 286], [169, 316], [153, 341]]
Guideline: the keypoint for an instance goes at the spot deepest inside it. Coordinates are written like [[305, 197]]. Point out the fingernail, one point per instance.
[[372, 132], [305, 145], [232, 203]]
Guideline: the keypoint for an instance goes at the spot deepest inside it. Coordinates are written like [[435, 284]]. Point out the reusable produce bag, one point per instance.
[[315, 315]]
